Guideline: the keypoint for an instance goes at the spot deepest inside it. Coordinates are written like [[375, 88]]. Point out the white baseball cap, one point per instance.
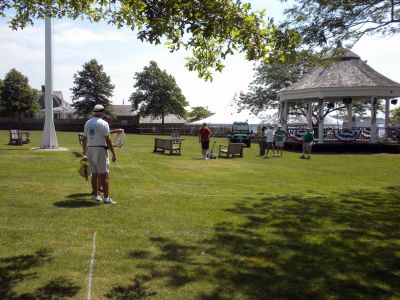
[[98, 108]]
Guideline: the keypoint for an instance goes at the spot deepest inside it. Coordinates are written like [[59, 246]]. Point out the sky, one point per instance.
[[122, 54]]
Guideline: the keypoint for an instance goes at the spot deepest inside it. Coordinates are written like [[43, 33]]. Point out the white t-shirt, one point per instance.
[[96, 129], [270, 136]]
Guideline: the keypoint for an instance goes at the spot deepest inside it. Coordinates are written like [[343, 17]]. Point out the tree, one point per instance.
[[359, 109], [91, 86], [198, 113], [395, 116], [327, 22], [157, 94], [270, 78], [17, 97], [211, 29]]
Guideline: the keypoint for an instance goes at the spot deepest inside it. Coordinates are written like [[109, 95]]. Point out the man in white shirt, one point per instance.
[[270, 141], [96, 142]]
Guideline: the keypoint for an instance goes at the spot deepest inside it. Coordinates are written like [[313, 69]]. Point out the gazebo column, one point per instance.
[[387, 118], [374, 102], [321, 122], [349, 115], [309, 114], [284, 114]]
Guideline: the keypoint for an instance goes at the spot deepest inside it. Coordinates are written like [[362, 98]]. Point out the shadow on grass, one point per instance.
[[78, 195], [136, 290], [77, 154], [338, 246], [16, 269], [76, 201]]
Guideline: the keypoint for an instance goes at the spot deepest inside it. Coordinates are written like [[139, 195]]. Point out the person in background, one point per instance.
[[308, 140], [262, 142], [204, 138], [280, 135], [96, 142], [270, 141]]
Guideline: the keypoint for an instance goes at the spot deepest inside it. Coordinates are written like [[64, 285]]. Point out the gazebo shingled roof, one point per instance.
[[348, 76]]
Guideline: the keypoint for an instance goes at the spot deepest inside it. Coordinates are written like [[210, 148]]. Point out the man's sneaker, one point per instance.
[[109, 201], [97, 199]]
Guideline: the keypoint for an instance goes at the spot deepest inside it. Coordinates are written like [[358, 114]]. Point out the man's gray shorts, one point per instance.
[[98, 160]]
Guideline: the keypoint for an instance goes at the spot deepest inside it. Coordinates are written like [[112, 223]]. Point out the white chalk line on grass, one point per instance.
[[90, 275], [169, 186]]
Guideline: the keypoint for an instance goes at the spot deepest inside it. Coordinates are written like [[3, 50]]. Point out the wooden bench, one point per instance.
[[167, 144], [231, 150], [19, 137]]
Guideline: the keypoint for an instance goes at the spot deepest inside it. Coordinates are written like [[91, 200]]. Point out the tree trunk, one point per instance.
[[19, 120], [162, 123]]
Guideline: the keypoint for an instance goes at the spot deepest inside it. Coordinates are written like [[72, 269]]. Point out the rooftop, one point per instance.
[[348, 74]]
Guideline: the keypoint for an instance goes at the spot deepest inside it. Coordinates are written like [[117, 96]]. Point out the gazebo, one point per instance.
[[346, 79]]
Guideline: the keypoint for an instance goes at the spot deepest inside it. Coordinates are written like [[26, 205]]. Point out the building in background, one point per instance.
[[61, 108], [124, 115]]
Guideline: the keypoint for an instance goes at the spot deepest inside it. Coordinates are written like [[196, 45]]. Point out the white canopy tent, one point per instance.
[[229, 115]]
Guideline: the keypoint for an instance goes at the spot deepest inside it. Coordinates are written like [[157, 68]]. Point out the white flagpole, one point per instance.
[[49, 137]]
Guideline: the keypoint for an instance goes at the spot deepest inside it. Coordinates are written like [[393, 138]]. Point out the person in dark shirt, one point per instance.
[[262, 141], [204, 139], [308, 140]]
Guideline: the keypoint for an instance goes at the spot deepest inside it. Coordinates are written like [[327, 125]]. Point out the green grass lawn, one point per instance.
[[183, 228]]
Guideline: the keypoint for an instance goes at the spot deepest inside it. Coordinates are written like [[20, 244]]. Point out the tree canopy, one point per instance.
[[395, 116], [324, 23], [17, 97], [211, 29], [157, 94], [91, 86], [270, 78], [198, 113]]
